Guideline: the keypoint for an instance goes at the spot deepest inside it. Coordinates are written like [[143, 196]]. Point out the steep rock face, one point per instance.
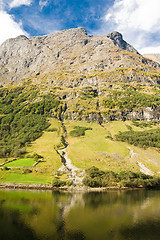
[[143, 114], [118, 41], [71, 58]]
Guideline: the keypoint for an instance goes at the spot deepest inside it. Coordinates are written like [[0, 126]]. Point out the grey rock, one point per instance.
[[118, 41], [65, 58]]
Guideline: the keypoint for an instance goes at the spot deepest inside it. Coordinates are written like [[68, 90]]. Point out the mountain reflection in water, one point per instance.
[[115, 215]]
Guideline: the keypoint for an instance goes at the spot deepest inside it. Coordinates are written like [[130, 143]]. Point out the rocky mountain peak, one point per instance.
[[14, 41], [71, 52], [118, 41]]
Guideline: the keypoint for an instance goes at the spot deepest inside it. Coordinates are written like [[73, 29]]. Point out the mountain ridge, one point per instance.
[[68, 52]]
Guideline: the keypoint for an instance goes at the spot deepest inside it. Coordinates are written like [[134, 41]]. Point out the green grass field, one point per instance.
[[23, 162], [95, 149], [30, 178], [43, 172], [46, 146]]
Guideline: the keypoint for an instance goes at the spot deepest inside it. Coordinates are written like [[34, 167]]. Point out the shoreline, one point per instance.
[[65, 189]]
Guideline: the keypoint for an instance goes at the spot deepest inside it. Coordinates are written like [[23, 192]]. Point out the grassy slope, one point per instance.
[[43, 172], [93, 149], [46, 145]]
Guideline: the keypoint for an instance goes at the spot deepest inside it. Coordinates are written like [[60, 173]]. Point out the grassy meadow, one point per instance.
[[43, 172], [23, 162], [97, 147]]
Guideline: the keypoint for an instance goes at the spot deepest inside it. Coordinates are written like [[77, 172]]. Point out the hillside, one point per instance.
[[69, 101], [154, 56]]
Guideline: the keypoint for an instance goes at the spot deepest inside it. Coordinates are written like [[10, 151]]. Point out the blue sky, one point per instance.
[[137, 20]]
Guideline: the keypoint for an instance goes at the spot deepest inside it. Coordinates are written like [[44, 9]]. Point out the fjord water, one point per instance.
[[116, 215]]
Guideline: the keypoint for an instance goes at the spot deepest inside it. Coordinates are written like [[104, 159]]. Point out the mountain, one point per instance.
[[79, 100], [74, 56]]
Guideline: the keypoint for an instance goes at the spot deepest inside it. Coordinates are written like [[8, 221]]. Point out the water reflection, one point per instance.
[[76, 216]]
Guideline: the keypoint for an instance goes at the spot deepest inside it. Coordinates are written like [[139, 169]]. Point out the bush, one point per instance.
[[58, 183], [148, 138], [51, 130], [26, 171], [69, 182], [96, 178], [94, 172], [92, 182], [130, 100], [143, 124], [6, 168], [36, 156], [79, 131]]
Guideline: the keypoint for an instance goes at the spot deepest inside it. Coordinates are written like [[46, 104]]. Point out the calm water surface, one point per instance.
[[111, 215]]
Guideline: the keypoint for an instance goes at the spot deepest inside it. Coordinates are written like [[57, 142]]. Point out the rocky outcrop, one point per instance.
[[142, 114], [118, 41], [69, 58]]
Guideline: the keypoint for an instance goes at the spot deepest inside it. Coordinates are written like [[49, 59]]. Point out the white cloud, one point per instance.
[[9, 28], [18, 3], [43, 3], [150, 50], [137, 20], [44, 25]]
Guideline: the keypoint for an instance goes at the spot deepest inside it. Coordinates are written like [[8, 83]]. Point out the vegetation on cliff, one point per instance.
[[23, 118]]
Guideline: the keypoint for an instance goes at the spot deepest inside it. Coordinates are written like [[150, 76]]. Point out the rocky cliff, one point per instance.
[[72, 58]]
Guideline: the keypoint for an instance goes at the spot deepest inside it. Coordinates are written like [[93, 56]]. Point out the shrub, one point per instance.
[[92, 182], [143, 124], [6, 168], [79, 131], [51, 130], [148, 138], [69, 182], [58, 183], [36, 156], [94, 172], [96, 178], [26, 171]]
